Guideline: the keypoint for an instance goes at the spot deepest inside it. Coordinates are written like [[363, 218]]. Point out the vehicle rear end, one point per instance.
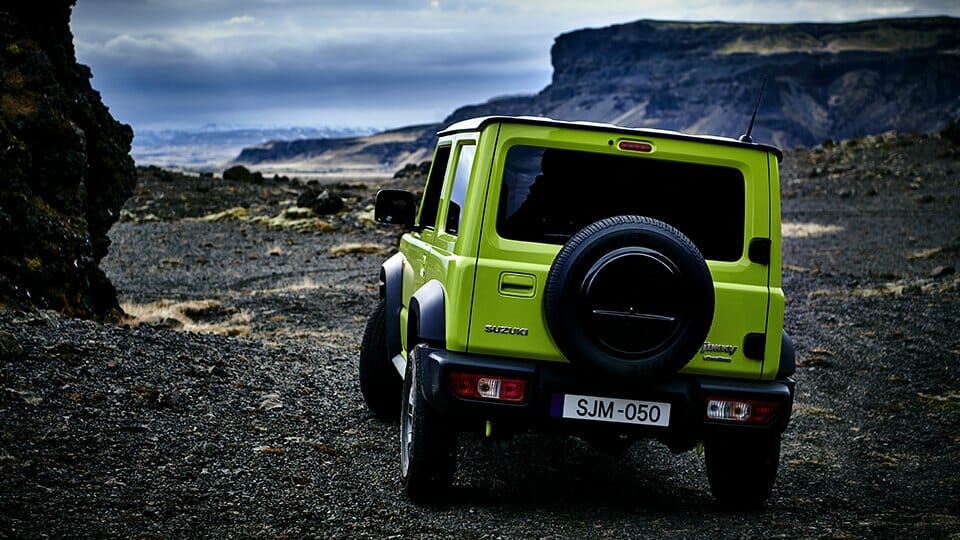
[[626, 285], [548, 183]]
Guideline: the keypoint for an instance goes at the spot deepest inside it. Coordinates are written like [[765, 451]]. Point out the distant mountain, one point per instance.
[[826, 81], [213, 146], [374, 151]]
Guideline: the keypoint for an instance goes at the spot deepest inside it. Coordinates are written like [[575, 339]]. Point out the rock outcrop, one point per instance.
[[826, 81], [65, 168]]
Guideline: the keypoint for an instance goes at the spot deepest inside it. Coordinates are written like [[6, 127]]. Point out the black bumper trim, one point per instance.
[[686, 394]]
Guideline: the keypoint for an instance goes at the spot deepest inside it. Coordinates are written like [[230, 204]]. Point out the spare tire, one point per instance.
[[629, 296]]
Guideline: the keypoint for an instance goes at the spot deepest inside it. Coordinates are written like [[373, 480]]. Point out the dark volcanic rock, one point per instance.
[[413, 170], [322, 202], [239, 173], [825, 80], [951, 131], [65, 163]]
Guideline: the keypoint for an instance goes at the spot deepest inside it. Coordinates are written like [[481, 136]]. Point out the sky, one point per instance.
[[366, 63]]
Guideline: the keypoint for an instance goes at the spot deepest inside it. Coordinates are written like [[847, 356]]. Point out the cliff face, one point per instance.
[[826, 81], [65, 166]]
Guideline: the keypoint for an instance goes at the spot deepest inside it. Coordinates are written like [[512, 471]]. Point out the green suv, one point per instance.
[[585, 279]]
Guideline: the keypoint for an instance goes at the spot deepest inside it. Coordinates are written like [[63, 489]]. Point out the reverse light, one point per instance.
[[489, 387], [744, 411]]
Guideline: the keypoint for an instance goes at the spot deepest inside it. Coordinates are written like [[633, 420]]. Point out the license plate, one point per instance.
[[601, 409]]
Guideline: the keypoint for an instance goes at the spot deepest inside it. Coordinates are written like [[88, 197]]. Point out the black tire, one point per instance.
[[379, 382], [629, 296], [428, 445], [742, 470]]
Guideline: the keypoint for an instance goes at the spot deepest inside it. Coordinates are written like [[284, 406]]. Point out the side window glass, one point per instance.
[[431, 195], [459, 192]]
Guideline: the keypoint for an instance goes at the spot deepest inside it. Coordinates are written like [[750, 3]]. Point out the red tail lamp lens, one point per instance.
[[489, 387], [743, 411]]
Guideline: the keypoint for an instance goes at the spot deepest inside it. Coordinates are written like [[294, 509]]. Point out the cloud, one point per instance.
[[239, 58], [242, 19]]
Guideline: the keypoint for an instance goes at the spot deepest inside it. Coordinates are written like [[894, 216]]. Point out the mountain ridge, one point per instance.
[[826, 81]]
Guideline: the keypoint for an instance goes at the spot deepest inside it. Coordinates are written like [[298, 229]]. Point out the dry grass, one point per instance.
[[810, 410], [296, 218], [924, 254], [352, 248], [895, 288], [179, 316], [808, 230], [305, 284], [949, 401], [237, 213], [887, 39], [323, 336]]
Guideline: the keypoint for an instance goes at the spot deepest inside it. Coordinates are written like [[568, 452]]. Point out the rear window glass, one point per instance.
[[549, 194], [460, 178], [431, 195]]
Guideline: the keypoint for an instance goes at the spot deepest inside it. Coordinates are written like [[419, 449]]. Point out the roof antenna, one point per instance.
[[746, 136]]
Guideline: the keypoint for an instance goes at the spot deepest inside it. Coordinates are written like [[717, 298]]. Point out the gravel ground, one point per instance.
[[228, 406]]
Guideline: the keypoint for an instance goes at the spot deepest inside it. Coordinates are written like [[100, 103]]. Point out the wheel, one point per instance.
[[379, 382], [742, 470], [428, 446], [629, 296]]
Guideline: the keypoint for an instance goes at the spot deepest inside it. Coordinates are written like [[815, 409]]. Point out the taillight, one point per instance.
[[744, 411], [486, 386]]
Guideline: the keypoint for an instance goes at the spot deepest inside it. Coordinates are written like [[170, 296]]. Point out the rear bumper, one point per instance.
[[549, 382]]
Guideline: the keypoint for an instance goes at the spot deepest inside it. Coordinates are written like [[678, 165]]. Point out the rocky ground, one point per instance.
[[228, 404]]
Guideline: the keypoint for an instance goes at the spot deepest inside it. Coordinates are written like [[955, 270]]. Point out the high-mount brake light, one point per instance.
[[743, 411], [635, 146], [488, 387]]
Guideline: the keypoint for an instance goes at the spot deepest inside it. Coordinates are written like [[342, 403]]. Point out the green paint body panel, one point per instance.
[[489, 280]]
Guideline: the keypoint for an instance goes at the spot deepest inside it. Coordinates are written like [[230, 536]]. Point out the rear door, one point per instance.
[[719, 200]]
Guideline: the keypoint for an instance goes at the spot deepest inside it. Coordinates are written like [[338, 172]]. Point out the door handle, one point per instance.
[[516, 284]]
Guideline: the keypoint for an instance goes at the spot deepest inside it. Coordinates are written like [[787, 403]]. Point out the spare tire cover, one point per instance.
[[630, 296]]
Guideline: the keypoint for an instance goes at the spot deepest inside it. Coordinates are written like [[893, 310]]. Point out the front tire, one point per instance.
[[428, 446], [742, 470], [379, 382]]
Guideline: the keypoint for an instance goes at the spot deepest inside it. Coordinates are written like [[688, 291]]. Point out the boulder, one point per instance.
[[322, 202], [951, 131], [66, 167], [239, 173]]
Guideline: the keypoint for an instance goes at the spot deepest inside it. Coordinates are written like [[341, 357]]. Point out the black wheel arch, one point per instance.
[[788, 357], [427, 323], [391, 291]]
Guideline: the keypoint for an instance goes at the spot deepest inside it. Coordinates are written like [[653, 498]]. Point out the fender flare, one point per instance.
[[427, 316], [391, 292], [788, 357]]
